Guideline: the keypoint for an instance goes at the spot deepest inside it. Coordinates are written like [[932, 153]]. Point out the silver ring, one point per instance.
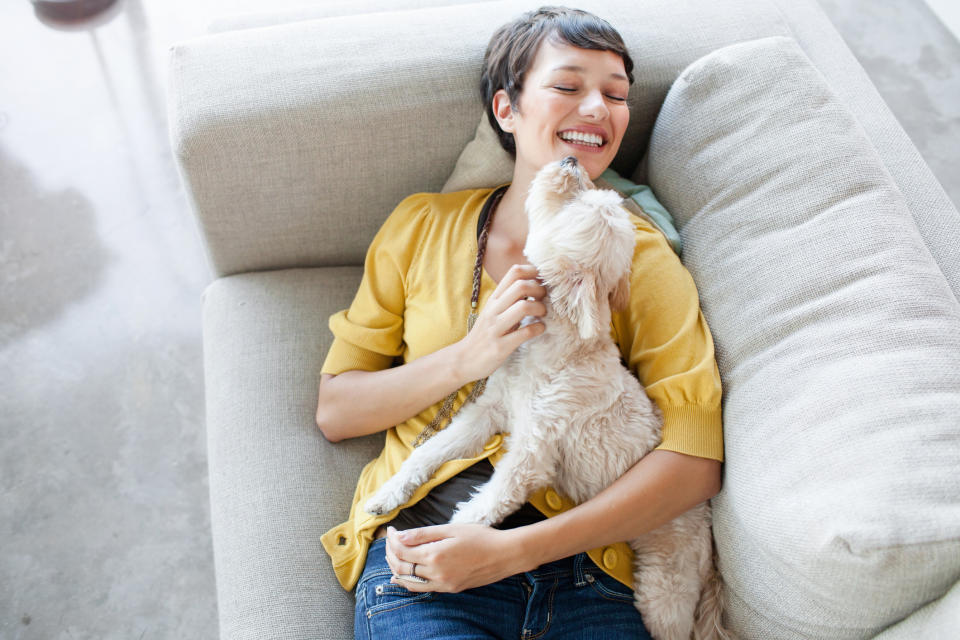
[[413, 578]]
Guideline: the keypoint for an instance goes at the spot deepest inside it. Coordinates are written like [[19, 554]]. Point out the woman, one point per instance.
[[555, 83]]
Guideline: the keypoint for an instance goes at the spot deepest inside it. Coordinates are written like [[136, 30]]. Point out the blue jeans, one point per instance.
[[569, 598]]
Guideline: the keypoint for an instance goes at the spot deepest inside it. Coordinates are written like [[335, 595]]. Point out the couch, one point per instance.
[[824, 250]]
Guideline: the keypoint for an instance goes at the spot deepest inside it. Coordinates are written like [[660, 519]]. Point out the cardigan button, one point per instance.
[[553, 500], [494, 442], [610, 558]]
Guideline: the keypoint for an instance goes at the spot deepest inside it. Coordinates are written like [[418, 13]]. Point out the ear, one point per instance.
[[503, 110], [573, 294], [587, 306], [620, 296]]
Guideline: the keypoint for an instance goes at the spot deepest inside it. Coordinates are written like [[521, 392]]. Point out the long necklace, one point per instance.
[[446, 409]]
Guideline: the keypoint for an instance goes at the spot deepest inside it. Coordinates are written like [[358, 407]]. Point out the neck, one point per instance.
[[510, 222], [511, 219]]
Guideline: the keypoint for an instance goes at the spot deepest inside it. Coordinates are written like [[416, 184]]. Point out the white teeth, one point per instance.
[[583, 138]]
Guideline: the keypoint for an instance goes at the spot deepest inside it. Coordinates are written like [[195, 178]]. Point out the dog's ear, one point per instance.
[[587, 309], [620, 296], [574, 295]]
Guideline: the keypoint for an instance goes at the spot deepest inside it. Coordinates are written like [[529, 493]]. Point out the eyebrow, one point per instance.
[[573, 67]]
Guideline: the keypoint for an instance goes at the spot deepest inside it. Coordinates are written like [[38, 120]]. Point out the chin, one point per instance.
[[593, 167]]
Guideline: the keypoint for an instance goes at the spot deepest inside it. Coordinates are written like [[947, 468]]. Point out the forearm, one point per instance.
[[660, 487], [358, 403]]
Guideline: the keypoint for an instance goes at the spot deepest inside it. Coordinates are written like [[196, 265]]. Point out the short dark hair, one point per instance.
[[514, 45]]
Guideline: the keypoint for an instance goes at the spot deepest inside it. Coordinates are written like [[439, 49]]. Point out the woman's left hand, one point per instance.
[[452, 557]]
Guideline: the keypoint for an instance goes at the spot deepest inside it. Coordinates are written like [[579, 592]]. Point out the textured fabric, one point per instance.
[[838, 339], [278, 141], [275, 483], [482, 163], [417, 283], [936, 217], [939, 620]]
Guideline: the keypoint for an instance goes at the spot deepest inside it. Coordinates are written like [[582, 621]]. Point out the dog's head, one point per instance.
[[581, 240], [555, 184]]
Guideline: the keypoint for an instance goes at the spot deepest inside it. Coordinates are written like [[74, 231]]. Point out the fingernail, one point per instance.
[[391, 530]]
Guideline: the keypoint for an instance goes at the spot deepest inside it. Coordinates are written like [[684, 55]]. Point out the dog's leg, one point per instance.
[[462, 438], [515, 477], [669, 574]]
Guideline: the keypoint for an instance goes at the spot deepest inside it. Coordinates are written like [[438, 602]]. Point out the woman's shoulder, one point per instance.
[[426, 210], [444, 203], [651, 243]]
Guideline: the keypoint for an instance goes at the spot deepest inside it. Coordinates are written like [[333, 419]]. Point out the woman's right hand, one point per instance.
[[497, 332]]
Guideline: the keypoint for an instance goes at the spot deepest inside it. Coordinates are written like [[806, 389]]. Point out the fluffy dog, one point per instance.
[[577, 418]]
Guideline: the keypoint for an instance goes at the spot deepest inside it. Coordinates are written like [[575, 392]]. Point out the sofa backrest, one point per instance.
[[295, 141]]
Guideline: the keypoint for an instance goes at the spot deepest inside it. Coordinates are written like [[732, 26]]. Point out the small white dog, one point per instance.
[[577, 418]]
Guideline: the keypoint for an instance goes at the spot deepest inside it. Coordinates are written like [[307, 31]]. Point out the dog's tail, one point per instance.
[[708, 619]]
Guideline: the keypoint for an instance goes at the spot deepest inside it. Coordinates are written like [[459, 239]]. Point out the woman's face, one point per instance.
[[573, 103]]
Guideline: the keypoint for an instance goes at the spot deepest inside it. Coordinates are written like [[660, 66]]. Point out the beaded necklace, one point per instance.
[[446, 409]]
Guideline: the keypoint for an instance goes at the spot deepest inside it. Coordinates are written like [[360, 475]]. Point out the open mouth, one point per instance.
[[579, 138]]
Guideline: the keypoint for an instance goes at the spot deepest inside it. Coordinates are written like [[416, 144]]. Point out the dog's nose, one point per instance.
[[569, 161]]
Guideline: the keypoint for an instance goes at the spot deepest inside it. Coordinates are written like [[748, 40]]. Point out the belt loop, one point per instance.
[[579, 575]]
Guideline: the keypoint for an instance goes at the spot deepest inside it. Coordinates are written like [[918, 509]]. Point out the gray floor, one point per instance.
[[104, 518]]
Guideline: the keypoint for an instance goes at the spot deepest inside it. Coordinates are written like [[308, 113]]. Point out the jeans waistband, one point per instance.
[[578, 566]]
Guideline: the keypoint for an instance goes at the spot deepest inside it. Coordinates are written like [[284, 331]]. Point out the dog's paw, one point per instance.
[[376, 506], [471, 513], [383, 501]]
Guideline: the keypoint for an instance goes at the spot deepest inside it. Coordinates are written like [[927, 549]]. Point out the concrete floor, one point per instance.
[[104, 517]]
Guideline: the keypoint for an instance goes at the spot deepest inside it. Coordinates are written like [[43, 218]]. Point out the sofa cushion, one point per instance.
[[482, 163], [838, 340], [275, 483]]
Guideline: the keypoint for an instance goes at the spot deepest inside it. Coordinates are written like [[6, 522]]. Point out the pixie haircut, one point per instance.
[[514, 45]]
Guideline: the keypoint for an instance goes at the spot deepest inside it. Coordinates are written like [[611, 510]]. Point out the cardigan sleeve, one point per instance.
[[369, 334], [665, 341]]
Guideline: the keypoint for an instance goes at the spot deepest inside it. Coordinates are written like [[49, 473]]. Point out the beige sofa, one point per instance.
[[824, 250]]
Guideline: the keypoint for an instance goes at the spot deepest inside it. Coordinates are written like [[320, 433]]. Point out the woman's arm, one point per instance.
[[660, 487], [357, 403]]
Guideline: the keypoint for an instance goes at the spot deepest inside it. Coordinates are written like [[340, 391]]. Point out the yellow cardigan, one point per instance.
[[415, 298]]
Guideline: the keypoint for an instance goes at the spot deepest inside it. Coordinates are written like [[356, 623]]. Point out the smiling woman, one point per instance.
[[573, 103], [446, 285]]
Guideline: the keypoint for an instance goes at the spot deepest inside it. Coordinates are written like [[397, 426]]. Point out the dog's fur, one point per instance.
[[577, 418]]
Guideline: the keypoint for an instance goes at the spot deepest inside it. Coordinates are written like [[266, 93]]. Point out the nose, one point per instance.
[[593, 105]]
